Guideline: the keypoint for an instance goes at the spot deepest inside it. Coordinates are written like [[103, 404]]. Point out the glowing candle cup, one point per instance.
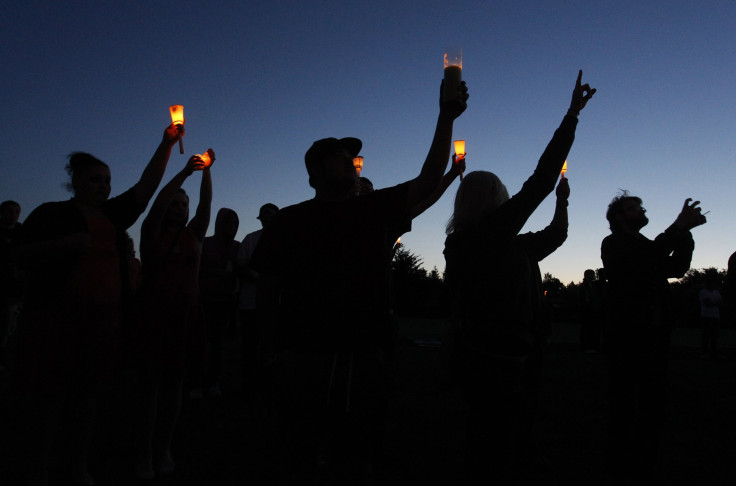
[[358, 164], [564, 169], [453, 73], [177, 118], [206, 159], [459, 152]]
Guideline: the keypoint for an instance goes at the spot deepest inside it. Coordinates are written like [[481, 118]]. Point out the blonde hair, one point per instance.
[[479, 192]]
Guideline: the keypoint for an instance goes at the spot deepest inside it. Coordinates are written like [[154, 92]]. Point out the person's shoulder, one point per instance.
[[252, 235], [51, 208], [297, 209], [609, 239]]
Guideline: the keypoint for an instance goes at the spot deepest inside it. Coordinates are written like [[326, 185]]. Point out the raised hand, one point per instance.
[[581, 94], [454, 108], [458, 165], [563, 189], [173, 133], [195, 162], [211, 153], [690, 216]]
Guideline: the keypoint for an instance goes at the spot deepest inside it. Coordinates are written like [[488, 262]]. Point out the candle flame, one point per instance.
[[564, 169], [358, 164], [205, 158], [453, 57], [177, 114], [459, 147]]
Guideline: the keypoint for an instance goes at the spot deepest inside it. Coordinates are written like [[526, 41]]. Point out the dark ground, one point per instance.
[[229, 440]]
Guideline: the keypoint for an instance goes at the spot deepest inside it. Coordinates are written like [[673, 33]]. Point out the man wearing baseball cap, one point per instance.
[[326, 262]]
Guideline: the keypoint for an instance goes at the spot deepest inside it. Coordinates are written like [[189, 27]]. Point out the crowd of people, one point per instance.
[[90, 307]]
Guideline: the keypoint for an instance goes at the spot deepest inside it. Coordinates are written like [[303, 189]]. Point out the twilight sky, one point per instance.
[[260, 81]]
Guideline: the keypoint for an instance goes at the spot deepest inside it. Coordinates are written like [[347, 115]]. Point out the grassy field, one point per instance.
[[230, 440]]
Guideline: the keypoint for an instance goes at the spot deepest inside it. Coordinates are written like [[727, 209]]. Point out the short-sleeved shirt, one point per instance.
[[330, 262]]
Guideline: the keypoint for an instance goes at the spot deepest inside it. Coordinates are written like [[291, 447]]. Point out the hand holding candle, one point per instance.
[[208, 158], [459, 158], [177, 118]]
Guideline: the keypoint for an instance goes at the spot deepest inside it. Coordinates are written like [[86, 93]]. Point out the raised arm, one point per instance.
[[559, 220], [201, 220], [543, 243], [456, 170], [151, 227], [676, 244], [439, 152], [154, 171], [518, 209]]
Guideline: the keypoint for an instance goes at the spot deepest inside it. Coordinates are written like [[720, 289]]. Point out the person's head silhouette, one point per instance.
[[330, 167]]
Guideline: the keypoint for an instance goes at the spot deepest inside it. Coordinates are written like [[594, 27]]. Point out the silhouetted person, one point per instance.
[[711, 303], [327, 260], [638, 337], [729, 289], [172, 334], [251, 332], [591, 308], [11, 281], [496, 287], [218, 286], [75, 254]]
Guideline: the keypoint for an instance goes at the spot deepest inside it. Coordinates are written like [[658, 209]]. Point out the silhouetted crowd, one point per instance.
[[311, 293]]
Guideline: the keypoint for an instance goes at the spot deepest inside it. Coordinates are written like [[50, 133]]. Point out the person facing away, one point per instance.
[[251, 332], [638, 333], [494, 279], [327, 260], [218, 286]]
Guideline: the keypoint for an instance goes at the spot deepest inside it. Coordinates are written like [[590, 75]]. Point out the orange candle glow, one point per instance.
[[564, 169], [206, 159], [358, 164], [459, 152], [453, 73], [177, 118], [460, 148]]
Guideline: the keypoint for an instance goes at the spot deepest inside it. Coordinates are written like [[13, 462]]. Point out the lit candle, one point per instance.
[[206, 159], [564, 169], [453, 73], [177, 118], [459, 152], [358, 164]]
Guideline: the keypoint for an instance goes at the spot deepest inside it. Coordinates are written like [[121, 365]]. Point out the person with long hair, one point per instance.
[[75, 257], [172, 332], [495, 282]]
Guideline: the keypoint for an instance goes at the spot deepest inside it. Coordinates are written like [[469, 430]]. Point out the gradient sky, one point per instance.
[[260, 81]]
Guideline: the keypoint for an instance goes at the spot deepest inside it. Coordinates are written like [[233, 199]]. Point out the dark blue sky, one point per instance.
[[260, 81]]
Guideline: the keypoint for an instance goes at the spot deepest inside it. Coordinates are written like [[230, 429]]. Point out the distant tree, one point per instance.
[[551, 285], [416, 292], [407, 263]]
